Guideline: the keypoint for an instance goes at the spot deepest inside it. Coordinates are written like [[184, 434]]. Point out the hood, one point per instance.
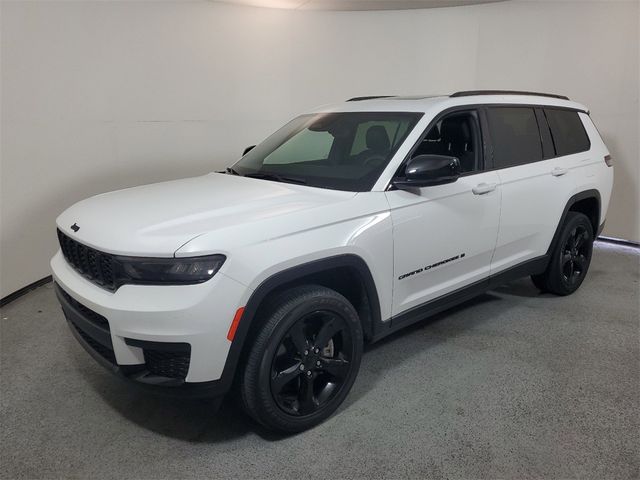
[[157, 219]]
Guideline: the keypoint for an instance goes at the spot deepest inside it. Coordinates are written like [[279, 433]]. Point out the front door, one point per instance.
[[445, 235]]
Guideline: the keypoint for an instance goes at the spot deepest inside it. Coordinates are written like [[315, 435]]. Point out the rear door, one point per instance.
[[572, 144], [534, 183]]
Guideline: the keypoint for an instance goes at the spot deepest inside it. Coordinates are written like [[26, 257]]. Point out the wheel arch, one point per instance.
[[348, 274], [587, 202]]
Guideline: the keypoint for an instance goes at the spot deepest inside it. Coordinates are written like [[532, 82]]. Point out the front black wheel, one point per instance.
[[304, 361], [570, 258]]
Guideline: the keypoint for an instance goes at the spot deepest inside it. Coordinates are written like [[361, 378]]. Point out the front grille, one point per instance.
[[92, 264], [172, 364], [104, 352], [95, 318]]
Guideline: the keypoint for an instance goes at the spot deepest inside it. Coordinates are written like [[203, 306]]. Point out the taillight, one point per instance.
[[608, 160]]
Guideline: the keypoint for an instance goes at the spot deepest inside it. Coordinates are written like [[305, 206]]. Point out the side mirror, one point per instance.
[[429, 170], [248, 149]]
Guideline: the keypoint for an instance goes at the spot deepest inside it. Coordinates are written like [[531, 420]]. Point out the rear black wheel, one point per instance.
[[570, 259], [304, 360]]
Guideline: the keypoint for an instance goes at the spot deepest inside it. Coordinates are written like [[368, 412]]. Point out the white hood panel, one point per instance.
[[157, 219]]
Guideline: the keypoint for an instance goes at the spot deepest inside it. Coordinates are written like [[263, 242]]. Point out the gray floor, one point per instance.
[[513, 385]]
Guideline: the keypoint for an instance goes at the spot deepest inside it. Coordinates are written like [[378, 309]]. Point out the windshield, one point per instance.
[[341, 151]]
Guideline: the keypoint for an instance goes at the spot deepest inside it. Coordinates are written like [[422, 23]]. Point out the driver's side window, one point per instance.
[[455, 135]]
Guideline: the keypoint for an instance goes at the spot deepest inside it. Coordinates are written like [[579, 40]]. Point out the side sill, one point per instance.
[[530, 267]]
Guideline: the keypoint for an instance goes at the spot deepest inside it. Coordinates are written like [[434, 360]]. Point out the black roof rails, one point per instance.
[[470, 93], [371, 97]]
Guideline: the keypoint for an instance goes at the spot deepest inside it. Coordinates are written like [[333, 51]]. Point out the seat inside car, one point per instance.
[[378, 145], [457, 141]]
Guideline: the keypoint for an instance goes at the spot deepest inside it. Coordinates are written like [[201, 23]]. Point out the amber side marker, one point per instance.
[[234, 324]]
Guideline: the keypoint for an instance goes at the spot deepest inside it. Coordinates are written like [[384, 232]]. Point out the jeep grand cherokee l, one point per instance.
[[347, 224]]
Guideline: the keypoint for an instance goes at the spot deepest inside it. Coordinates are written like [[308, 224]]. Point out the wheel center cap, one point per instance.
[[311, 360]]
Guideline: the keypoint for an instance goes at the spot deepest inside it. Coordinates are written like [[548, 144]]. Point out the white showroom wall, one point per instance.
[[97, 96]]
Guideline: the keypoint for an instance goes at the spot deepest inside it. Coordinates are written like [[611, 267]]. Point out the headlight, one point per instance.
[[168, 271]]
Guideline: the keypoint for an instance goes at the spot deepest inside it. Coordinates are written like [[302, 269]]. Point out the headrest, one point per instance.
[[377, 138], [456, 135], [455, 130], [433, 135]]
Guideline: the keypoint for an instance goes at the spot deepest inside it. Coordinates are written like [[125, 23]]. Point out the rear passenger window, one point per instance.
[[515, 136], [567, 131]]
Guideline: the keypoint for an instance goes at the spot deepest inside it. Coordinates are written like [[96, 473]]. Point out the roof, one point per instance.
[[427, 103]]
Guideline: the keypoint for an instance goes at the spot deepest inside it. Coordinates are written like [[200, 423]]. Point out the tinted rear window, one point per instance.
[[567, 131], [515, 136]]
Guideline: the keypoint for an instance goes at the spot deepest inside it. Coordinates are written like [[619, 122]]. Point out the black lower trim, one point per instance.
[[166, 362], [112, 367], [24, 290], [435, 306], [80, 321], [430, 308], [600, 229], [163, 346], [535, 266]]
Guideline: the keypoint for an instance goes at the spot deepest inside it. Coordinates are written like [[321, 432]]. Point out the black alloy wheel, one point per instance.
[[569, 261], [575, 251], [311, 363], [304, 359]]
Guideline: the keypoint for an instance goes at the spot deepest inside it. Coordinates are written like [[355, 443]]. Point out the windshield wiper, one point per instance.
[[276, 177], [231, 171]]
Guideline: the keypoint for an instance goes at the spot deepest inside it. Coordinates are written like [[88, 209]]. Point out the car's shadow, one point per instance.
[[198, 420], [521, 288]]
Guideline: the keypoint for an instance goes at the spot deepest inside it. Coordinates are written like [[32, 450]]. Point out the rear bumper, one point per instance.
[[169, 339]]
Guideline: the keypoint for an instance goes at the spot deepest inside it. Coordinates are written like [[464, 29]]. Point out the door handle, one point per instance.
[[483, 188], [558, 172]]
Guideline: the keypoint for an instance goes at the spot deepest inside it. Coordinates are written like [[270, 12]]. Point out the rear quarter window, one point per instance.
[[567, 131]]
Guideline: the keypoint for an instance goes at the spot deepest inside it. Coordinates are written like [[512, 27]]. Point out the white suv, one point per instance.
[[344, 226]]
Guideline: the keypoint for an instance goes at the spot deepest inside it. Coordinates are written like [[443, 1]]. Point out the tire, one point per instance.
[[307, 324], [570, 259]]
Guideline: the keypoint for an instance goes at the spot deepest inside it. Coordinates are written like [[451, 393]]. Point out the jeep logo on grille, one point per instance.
[[75, 227]]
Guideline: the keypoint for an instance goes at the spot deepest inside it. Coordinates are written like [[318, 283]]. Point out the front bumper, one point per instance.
[[157, 336]]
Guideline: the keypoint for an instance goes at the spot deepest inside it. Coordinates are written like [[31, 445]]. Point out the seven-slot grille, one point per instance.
[[92, 264]]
